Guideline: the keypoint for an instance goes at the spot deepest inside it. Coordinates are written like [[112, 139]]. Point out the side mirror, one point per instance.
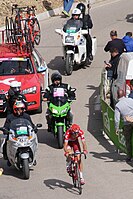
[[41, 69], [58, 31]]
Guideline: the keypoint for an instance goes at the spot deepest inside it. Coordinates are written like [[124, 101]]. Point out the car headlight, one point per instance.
[[31, 90], [54, 111], [69, 39]]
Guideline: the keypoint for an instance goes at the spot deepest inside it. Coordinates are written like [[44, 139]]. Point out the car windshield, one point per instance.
[[16, 66], [72, 26]]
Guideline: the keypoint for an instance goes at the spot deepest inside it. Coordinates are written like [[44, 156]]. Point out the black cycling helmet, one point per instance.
[[56, 76], [82, 8]]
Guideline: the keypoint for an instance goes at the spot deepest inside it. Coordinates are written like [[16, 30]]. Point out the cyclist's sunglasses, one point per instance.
[[75, 132]]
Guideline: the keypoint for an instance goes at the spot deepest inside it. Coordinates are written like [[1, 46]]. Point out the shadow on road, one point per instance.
[[55, 183], [11, 171], [95, 127], [129, 18], [57, 64], [47, 138]]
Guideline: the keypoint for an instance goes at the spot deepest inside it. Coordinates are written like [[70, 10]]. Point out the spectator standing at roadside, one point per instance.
[[115, 43], [111, 67], [124, 110], [128, 41], [67, 7]]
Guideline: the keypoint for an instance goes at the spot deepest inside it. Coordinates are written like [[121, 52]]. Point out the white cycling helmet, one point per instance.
[[15, 84], [76, 11]]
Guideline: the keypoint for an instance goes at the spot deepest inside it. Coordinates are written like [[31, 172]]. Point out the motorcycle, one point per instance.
[[59, 108], [74, 46], [22, 144]]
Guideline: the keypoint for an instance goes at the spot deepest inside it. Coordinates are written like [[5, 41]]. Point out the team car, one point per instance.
[[28, 68]]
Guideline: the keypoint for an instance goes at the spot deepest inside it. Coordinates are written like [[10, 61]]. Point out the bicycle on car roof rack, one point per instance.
[[24, 28]]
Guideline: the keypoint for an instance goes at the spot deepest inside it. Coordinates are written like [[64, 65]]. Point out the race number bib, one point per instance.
[[58, 92]]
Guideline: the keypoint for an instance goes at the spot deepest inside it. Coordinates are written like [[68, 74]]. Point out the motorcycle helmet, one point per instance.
[[75, 129], [82, 8], [18, 107], [76, 11], [56, 76], [15, 86]]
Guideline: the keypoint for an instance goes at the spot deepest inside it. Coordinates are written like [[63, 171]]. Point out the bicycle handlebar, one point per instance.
[[78, 153]]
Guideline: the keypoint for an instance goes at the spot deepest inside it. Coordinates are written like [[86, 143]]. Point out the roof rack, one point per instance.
[[12, 47]]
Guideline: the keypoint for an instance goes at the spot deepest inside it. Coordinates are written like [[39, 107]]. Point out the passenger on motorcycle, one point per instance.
[[18, 112], [71, 144], [87, 24], [56, 79], [14, 94]]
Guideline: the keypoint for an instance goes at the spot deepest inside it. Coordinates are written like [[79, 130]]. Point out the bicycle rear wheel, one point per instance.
[[36, 31], [18, 24]]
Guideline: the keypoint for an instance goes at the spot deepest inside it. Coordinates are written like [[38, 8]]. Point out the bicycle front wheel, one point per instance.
[[77, 182]]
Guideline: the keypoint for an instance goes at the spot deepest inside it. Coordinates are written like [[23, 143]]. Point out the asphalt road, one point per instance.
[[106, 173]]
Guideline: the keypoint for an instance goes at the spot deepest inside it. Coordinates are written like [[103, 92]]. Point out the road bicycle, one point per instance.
[[75, 170], [24, 29], [26, 22], [32, 24]]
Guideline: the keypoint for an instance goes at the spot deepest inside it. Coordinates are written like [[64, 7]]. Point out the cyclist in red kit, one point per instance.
[[71, 144]]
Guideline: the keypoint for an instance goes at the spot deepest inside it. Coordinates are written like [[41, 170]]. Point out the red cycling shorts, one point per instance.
[[74, 145]]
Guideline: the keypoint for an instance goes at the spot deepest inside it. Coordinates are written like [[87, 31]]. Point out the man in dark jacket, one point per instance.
[[115, 43], [14, 94], [111, 67], [57, 88], [18, 112], [87, 24]]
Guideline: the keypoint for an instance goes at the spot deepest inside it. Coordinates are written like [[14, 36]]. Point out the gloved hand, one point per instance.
[[85, 152], [66, 154]]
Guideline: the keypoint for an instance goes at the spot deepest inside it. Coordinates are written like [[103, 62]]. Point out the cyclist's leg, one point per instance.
[[68, 159], [77, 148]]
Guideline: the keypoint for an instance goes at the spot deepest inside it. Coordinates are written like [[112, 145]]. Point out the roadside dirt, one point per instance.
[[41, 5]]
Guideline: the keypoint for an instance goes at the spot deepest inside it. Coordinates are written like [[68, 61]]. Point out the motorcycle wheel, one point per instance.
[[60, 136], [69, 64], [25, 169]]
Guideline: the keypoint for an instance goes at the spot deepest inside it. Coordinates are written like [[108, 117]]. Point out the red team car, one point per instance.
[[28, 68]]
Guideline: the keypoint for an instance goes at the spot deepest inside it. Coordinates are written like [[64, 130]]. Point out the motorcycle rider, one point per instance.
[[75, 19], [56, 79], [18, 112], [71, 142], [14, 93], [87, 24]]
